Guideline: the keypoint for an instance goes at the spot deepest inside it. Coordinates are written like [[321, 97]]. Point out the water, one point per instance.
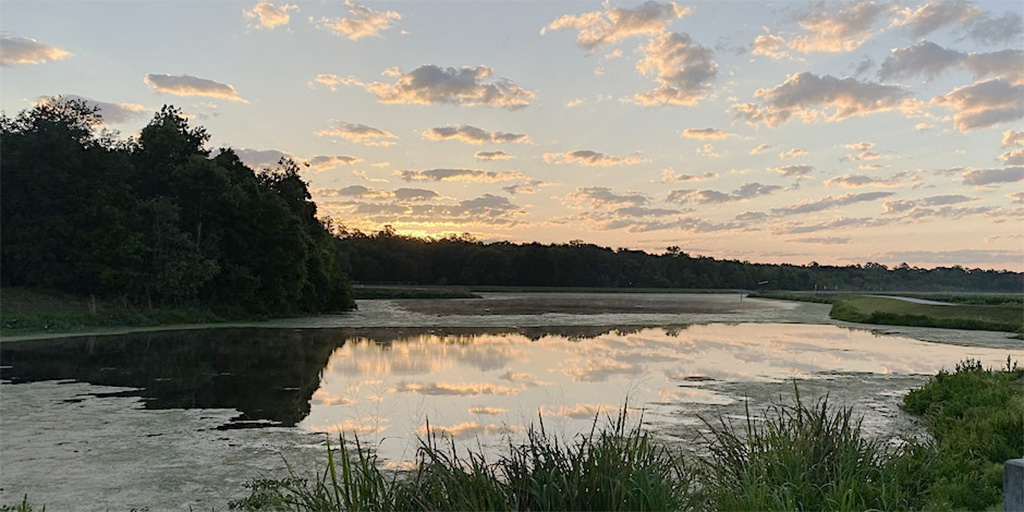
[[185, 418]]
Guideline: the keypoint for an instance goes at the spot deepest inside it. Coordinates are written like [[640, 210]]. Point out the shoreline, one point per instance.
[[704, 309]]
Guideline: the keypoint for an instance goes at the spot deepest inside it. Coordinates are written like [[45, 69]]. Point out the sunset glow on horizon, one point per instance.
[[776, 132]]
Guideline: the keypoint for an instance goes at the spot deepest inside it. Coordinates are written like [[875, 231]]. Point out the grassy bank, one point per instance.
[[887, 311], [795, 456], [32, 311], [985, 312]]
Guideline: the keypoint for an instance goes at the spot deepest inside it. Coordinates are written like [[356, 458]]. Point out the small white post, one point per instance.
[[1013, 485]]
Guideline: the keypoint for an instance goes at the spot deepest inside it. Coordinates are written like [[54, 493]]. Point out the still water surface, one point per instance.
[[176, 419]]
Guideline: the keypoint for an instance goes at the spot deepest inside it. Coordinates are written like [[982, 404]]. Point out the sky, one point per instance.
[[778, 132]]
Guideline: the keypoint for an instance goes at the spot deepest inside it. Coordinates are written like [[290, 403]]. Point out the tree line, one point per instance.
[[387, 257], [157, 220]]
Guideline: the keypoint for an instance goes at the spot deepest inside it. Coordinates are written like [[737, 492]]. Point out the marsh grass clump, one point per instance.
[[976, 419], [800, 457], [617, 467]]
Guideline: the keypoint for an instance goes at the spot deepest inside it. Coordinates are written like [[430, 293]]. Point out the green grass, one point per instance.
[[31, 311], [616, 468], [881, 310]]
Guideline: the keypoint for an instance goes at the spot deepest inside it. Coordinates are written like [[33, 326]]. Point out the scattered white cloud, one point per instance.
[[670, 176], [267, 15], [860, 180], [760, 149], [269, 158], [492, 155], [837, 28], [986, 177], [745, 191], [465, 86], [112, 113], [615, 24], [708, 151], [826, 240], [792, 153], [573, 103], [360, 134], [327, 162], [603, 197], [984, 104], [587, 157], [473, 135], [935, 15], [769, 45], [930, 60], [811, 97], [705, 133], [334, 81], [186, 85], [798, 171], [363, 22], [471, 175], [1013, 138], [991, 31], [15, 51], [1013, 157], [684, 71], [808, 206]]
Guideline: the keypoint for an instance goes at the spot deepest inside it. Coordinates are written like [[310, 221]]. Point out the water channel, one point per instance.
[[184, 418]]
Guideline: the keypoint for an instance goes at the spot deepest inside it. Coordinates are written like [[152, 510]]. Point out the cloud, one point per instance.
[[113, 113], [860, 180], [791, 228], [792, 153], [984, 104], [473, 135], [935, 15], [708, 151], [328, 162], [612, 25], [760, 149], [990, 31], [1013, 157], [519, 189], [415, 194], [465, 86], [745, 191], [360, 134], [705, 133], [485, 210], [812, 97], [669, 176], [333, 81], [956, 257], [827, 240], [267, 15], [684, 71], [794, 170], [832, 29], [985, 177], [1012, 138], [829, 202], [590, 158], [492, 155], [269, 158], [930, 60], [455, 388], [919, 208], [1016, 197], [603, 197], [15, 51], [769, 45], [461, 175], [573, 103], [186, 85], [364, 22]]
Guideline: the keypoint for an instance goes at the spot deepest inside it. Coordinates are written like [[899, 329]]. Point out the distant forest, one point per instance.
[[386, 257], [158, 220]]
